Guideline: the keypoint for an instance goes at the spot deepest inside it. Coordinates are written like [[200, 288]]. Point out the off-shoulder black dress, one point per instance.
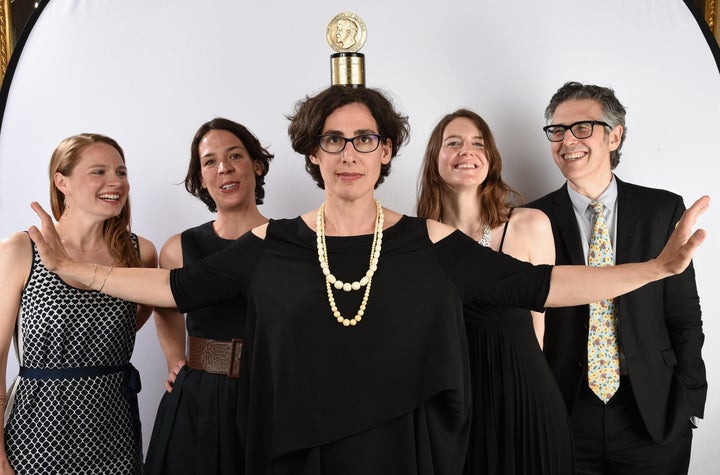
[[388, 396]]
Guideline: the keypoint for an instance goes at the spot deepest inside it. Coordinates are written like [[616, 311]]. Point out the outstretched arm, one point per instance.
[[576, 285], [149, 256], [145, 286]]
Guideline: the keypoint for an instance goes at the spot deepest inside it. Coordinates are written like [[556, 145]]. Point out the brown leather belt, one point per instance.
[[215, 356]]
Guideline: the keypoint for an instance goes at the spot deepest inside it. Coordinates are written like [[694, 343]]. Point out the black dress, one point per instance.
[[519, 422], [388, 396], [195, 429]]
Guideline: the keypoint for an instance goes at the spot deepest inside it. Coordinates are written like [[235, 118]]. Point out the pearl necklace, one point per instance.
[[331, 281], [485, 240]]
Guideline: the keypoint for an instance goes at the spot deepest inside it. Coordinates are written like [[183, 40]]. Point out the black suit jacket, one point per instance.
[[659, 325]]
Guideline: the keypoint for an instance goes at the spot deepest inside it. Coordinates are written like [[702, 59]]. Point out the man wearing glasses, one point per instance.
[[630, 369]]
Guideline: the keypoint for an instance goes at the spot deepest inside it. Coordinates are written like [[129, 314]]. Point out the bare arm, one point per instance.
[[529, 238], [576, 285], [169, 323], [146, 286], [149, 257], [15, 262]]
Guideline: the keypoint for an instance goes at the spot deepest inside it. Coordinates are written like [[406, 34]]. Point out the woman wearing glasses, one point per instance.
[[355, 358], [519, 423]]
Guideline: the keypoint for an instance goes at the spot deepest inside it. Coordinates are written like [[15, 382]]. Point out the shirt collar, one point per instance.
[[608, 197]]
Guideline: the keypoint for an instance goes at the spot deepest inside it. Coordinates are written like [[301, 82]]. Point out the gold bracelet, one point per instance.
[[105, 278], [92, 281]]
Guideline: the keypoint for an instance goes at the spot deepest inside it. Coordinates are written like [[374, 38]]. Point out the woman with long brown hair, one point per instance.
[[519, 424]]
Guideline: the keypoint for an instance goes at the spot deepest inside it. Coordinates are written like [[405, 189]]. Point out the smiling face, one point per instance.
[[584, 162], [227, 170], [462, 161], [98, 183], [351, 175]]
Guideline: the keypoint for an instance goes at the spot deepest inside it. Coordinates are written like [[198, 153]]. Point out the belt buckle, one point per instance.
[[234, 361]]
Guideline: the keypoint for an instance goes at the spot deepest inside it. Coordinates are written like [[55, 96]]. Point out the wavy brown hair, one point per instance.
[[495, 196], [116, 230]]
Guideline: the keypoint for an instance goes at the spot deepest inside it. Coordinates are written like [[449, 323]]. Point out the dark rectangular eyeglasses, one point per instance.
[[363, 143], [581, 130]]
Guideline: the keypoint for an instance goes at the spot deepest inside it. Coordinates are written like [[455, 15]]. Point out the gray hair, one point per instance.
[[613, 112]]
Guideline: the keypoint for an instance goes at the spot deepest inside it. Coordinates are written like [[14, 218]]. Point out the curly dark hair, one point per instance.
[[193, 179], [310, 115]]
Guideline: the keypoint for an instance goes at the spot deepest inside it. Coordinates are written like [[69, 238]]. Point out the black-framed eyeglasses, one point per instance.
[[363, 143], [581, 130]]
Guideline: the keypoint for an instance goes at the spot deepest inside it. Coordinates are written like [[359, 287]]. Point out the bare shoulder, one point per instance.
[[16, 255], [438, 231], [16, 244], [171, 256], [529, 221], [530, 237], [148, 253]]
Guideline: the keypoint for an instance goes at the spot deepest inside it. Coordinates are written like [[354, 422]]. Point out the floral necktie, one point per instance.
[[602, 345]]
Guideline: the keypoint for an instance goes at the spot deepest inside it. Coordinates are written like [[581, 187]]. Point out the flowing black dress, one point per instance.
[[519, 421], [195, 428], [388, 396]]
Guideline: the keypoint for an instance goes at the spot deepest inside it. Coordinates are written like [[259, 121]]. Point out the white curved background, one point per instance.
[[149, 72]]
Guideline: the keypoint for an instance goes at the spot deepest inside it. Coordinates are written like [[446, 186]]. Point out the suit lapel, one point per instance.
[[567, 225], [627, 217]]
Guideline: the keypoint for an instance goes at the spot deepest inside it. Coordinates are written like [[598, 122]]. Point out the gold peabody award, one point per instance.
[[346, 34]]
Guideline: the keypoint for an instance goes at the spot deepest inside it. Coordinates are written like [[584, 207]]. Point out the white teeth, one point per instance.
[[465, 165], [228, 186], [109, 196], [573, 156]]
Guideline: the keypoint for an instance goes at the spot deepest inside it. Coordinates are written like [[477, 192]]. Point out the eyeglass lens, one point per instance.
[[364, 143], [581, 130]]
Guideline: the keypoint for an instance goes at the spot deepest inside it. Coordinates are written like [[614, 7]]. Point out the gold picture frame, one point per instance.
[[712, 17], [6, 40]]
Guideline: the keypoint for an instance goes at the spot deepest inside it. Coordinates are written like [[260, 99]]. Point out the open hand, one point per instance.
[[48, 242], [680, 248]]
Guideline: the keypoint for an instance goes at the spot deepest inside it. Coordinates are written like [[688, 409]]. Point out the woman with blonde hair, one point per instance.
[[73, 407]]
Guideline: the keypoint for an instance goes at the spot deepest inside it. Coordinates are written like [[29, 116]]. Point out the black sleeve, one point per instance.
[[222, 276], [683, 317], [486, 276]]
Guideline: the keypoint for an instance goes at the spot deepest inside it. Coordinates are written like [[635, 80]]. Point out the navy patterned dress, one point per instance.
[[73, 407]]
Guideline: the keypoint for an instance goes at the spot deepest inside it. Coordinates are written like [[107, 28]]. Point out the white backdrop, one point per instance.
[[149, 72]]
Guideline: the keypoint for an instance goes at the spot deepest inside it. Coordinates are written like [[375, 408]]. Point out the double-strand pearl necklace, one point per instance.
[[331, 281]]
